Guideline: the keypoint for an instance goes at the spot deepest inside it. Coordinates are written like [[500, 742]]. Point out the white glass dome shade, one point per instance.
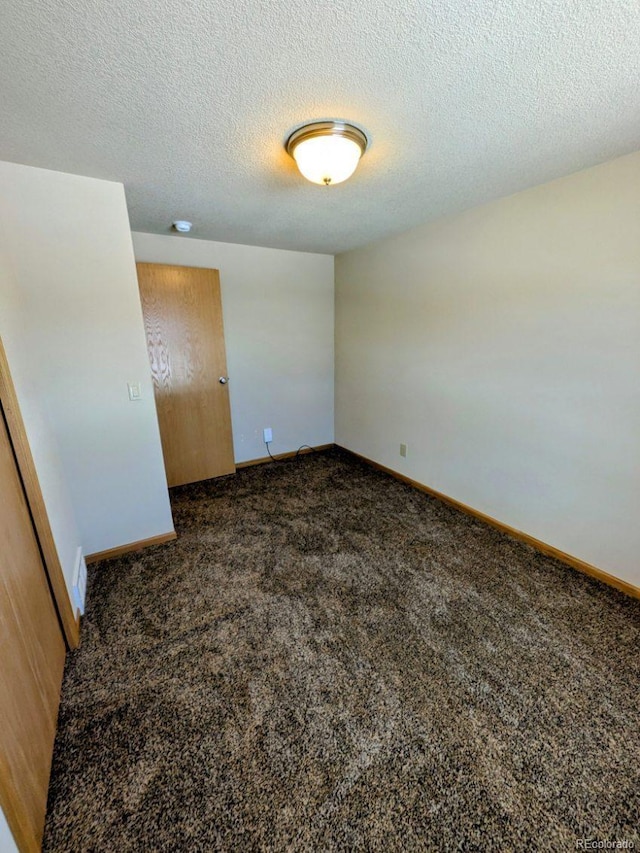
[[327, 152]]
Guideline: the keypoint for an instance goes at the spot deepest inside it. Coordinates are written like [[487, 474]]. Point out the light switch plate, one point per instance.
[[134, 391]]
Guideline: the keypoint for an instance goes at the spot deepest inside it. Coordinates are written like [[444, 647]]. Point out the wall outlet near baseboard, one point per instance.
[[79, 581], [267, 432], [403, 450]]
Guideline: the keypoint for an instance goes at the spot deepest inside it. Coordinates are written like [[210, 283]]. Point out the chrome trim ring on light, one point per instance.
[[327, 128]]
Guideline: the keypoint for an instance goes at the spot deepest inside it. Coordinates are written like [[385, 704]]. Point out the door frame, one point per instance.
[[69, 621]]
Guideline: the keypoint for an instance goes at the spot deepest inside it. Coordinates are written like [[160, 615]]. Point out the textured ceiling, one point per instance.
[[189, 103]]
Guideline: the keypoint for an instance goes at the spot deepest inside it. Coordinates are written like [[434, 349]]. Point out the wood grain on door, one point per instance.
[[32, 653], [182, 311]]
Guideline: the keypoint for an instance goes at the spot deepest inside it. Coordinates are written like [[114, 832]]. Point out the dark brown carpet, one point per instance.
[[327, 659]]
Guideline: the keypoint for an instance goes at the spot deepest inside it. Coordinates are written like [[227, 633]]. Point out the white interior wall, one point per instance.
[[67, 242], [503, 346], [26, 375], [278, 309]]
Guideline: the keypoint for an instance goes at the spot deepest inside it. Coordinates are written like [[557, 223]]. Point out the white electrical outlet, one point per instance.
[[403, 450], [268, 435]]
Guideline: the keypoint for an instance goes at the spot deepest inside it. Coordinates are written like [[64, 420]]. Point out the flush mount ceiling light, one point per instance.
[[327, 152], [182, 226]]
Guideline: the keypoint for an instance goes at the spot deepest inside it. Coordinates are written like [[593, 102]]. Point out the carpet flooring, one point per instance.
[[327, 659]]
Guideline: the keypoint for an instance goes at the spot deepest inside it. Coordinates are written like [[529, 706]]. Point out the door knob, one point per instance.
[[223, 380]]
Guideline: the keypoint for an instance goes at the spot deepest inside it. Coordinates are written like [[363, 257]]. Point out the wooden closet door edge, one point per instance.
[[22, 833], [68, 620]]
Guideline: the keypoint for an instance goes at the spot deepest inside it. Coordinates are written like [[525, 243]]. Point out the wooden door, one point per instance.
[[185, 338], [32, 653]]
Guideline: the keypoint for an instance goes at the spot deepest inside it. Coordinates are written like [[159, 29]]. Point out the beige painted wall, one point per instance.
[[76, 333], [27, 377], [503, 347], [278, 318]]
